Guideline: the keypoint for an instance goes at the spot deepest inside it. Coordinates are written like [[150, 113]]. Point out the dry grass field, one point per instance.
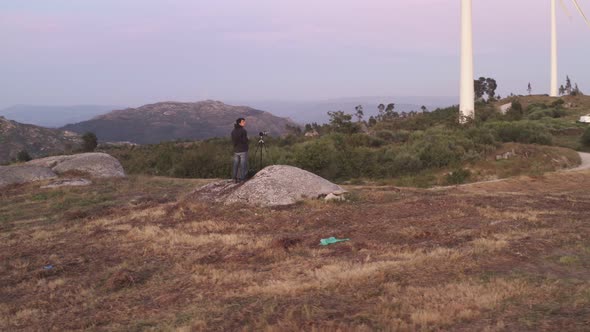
[[142, 254]]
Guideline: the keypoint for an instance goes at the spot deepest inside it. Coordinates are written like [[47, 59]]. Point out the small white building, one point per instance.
[[585, 118]]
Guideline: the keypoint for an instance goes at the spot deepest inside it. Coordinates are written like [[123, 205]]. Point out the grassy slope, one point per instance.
[[137, 254], [580, 105], [528, 159]]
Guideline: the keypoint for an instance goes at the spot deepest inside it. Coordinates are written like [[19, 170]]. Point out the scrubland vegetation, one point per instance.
[[143, 253], [417, 149]]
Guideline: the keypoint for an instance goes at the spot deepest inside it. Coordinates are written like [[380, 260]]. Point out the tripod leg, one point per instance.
[[260, 160], [255, 155], [268, 156]]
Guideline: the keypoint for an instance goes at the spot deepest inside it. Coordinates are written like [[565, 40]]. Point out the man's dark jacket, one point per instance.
[[239, 137]]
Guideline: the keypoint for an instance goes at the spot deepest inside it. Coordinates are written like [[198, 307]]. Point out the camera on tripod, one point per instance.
[[260, 147]]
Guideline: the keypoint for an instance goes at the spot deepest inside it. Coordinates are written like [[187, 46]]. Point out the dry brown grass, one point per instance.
[[446, 304], [490, 257], [514, 214]]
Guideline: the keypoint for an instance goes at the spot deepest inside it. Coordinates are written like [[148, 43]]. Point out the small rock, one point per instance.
[[339, 192], [333, 197]]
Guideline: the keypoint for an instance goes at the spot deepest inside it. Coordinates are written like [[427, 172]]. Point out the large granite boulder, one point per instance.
[[24, 174], [273, 186], [95, 164], [49, 162]]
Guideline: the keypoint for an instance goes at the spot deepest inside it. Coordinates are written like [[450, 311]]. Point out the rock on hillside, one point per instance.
[[24, 174], [167, 121], [95, 164], [37, 141], [273, 186]]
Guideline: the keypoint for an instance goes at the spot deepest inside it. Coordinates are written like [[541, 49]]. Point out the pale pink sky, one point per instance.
[[133, 52]]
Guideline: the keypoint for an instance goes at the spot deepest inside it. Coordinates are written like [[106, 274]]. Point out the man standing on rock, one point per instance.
[[239, 137]]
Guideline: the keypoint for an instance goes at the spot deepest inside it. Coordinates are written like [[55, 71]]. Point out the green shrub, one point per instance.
[[515, 112], [315, 156], [386, 135], [90, 142], [527, 132], [441, 147], [536, 106], [585, 140], [457, 176], [406, 162], [486, 112], [23, 156], [440, 153], [395, 136], [359, 139], [481, 137], [558, 103], [540, 113]]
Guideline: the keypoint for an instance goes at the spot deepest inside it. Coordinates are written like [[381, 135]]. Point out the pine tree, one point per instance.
[[576, 91], [359, 112], [491, 87], [568, 85], [89, 142], [479, 88], [529, 89]]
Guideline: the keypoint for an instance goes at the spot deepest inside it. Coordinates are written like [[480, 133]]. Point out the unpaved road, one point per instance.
[[583, 166], [585, 162]]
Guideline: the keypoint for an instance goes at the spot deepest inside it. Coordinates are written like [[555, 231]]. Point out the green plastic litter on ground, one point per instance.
[[331, 240]]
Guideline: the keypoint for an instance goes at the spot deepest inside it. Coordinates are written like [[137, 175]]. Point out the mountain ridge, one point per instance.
[[171, 120]]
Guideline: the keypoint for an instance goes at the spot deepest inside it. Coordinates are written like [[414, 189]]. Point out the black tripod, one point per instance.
[[258, 152]]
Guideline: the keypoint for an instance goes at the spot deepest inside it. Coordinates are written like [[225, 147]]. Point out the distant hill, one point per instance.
[[37, 141], [167, 121], [54, 116]]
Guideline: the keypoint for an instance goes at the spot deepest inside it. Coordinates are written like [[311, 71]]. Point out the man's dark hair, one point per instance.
[[237, 125]]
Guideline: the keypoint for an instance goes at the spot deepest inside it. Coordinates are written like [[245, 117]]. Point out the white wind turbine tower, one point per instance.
[[554, 90], [467, 95]]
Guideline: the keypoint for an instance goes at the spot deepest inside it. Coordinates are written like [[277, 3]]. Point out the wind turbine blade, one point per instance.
[[581, 12], [564, 7]]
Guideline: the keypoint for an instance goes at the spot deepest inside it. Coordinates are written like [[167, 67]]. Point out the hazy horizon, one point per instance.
[[302, 112], [139, 52]]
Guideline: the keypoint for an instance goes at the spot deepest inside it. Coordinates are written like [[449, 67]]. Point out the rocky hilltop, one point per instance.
[[168, 121], [36, 141]]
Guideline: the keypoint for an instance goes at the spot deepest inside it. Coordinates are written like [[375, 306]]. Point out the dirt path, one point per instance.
[[583, 166], [585, 162]]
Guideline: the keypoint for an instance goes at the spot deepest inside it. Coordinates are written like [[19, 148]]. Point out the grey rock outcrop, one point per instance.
[[95, 164], [68, 183], [49, 162], [273, 186], [24, 174]]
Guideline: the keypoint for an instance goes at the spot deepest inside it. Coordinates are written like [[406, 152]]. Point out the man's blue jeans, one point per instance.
[[241, 164]]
